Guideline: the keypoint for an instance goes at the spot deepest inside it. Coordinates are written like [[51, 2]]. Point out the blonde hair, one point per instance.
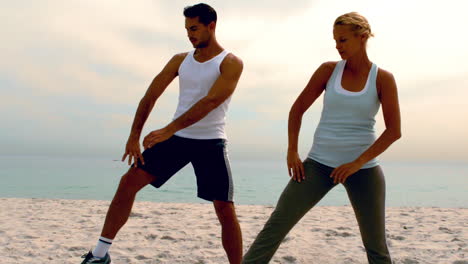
[[358, 23]]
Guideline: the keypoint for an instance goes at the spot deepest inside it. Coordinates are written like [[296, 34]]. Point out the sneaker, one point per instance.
[[89, 258]]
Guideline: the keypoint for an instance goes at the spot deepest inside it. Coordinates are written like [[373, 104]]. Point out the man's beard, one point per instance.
[[202, 45]]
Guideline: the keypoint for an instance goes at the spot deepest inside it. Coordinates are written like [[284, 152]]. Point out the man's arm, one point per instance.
[[224, 86], [156, 88]]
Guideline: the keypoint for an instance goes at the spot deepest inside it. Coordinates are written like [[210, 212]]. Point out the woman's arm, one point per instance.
[[311, 92], [388, 96]]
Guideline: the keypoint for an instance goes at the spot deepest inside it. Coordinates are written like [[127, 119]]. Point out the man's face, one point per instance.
[[198, 34]]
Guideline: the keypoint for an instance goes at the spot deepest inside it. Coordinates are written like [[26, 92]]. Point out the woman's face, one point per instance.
[[348, 43]]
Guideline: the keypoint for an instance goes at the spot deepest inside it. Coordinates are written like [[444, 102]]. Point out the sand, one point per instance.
[[60, 231]]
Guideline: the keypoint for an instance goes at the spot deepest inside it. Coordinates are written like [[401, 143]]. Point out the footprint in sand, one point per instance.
[[138, 215], [343, 228], [151, 237], [397, 237], [77, 249], [30, 237], [345, 234], [445, 230], [141, 257], [163, 255], [331, 233], [290, 259], [409, 261]]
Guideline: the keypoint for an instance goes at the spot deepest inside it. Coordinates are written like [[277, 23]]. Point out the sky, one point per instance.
[[72, 72]]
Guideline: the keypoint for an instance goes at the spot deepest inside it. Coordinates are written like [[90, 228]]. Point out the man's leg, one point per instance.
[[231, 232], [162, 161], [214, 183], [119, 210]]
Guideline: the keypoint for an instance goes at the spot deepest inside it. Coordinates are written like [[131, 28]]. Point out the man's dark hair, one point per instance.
[[205, 13]]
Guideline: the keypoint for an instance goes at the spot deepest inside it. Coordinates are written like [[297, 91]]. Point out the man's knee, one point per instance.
[[225, 211], [134, 180]]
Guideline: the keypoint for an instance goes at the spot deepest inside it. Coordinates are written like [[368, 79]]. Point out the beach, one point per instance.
[[60, 231]]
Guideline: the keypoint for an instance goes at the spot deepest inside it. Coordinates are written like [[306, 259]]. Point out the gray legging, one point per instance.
[[366, 191]]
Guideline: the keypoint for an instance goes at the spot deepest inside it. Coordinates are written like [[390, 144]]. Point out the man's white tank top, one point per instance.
[[195, 81]]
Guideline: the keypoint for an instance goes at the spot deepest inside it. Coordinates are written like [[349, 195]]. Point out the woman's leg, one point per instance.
[[366, 191], [293, 204]]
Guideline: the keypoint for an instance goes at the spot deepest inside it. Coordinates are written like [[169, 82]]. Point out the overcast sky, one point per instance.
[[72, 72]]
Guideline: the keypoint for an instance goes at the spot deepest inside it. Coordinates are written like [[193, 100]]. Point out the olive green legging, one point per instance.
[[366, 191]]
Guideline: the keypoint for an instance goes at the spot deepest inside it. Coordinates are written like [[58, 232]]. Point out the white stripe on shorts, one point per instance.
[[228, 167]]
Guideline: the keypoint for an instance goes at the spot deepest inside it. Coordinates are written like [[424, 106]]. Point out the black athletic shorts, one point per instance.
[[209, 160]]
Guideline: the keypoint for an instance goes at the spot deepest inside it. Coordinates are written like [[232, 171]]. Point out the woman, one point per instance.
[[344, 149]]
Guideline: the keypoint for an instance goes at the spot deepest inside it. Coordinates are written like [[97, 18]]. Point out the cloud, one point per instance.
[[71, 67]]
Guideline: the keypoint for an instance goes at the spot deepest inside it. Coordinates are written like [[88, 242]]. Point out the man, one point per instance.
[[208, 76]]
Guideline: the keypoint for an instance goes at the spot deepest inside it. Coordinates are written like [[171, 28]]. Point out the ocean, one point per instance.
[[255, 182]]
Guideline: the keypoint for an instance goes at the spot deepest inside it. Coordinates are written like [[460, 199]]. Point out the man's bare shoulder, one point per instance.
[[232, 63], [179, 57], [174, 63], [231, 58]]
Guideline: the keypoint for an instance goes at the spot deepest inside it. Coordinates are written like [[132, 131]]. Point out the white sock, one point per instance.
[[102, 247]]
